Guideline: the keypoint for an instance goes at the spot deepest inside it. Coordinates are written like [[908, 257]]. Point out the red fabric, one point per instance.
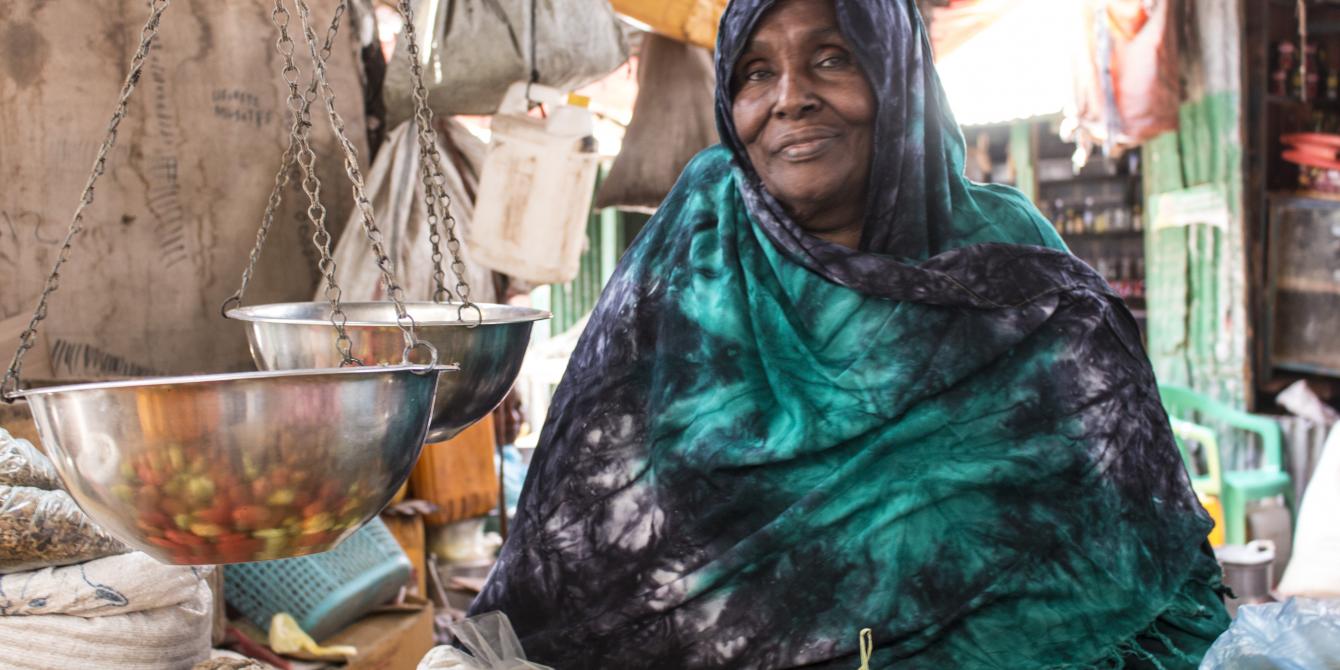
[[1144, 83], [954, 25]]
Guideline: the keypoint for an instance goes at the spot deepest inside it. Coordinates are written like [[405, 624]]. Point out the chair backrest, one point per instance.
[[1185, 433], [1185, 404]]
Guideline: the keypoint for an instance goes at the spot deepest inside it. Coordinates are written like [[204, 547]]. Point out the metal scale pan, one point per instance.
[[489, 346], [237, 467]]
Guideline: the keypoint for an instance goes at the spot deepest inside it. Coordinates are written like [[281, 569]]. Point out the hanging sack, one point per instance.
[[690, 21], [673, 119], [479, 47], [1127, 81], [395, 188], [536, 189]]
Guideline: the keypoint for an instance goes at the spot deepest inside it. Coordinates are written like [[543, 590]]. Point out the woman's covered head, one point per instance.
[[835, 113], [805, 111]]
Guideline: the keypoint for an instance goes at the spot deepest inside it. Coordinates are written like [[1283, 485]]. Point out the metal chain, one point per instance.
[[300, 107], [430, 160], [287, 162], [393, 289], [27, 339], [433, 181]]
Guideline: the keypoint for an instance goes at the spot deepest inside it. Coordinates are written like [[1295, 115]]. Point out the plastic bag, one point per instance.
[[492, 645], [21, 464], [480, 47], [1298, 634], [673, 119], [40, 528]]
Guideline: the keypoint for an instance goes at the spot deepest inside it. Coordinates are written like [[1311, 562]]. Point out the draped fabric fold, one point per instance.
[[765, 443]]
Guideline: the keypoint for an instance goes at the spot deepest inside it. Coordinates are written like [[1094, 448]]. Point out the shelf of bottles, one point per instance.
[[1099, 213]]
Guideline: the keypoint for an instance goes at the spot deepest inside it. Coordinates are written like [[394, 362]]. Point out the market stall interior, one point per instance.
[[110, 440], [303, 444]]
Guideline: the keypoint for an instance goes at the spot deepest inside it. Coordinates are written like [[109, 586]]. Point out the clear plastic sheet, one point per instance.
[[491, 645], [1297, 634], [21, 464], [40, 528]]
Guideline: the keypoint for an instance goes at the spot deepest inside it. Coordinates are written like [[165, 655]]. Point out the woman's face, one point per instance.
[[805, 111]]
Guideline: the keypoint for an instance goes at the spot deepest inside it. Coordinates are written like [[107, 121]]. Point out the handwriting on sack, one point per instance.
[[237, 105], [18, 229], [76, 358]]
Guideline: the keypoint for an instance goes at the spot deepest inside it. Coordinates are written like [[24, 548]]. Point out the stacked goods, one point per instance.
[[40, 525], [112, 610]]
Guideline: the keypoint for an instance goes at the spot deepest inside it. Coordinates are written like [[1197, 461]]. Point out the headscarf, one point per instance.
[[919, 202], [765, 443]]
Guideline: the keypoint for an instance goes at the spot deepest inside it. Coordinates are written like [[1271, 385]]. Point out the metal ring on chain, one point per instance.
[[421, 344], [12, 381], [479, 314]]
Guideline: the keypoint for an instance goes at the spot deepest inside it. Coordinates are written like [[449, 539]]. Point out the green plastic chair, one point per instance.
[[1210, 482], [1236, 488]]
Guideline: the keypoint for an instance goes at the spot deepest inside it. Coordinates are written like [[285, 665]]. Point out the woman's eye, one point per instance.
[[833, 61], [757, 75]]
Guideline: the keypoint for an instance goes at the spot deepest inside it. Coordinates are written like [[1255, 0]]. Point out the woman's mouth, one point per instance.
[[806, 150], [806, 146]]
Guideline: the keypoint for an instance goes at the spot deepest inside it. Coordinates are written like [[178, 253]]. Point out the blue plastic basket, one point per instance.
[[323, 592]]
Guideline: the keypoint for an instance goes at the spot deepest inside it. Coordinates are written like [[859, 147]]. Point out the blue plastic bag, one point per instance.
[[1298, 634]]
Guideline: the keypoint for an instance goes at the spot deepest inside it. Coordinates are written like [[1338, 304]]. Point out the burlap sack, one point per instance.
[[176, 213], [672, 121]]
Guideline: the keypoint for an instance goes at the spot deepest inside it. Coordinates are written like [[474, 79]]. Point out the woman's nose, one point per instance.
[[795, 97]]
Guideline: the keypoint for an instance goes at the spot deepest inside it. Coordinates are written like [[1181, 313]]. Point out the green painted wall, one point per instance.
[[1196, 272]]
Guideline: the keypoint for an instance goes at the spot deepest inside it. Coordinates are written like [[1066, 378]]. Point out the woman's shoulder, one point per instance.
[[707, 178], [1014, 218], [710, 164]]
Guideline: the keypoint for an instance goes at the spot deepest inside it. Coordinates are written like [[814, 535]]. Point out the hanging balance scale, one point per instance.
[[229, 468]]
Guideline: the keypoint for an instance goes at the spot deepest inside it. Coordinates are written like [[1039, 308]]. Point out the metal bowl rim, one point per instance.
[[254, 313], [230, 377]]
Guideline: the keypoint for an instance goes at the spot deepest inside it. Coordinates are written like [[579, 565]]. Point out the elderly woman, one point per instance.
[[834, 386]]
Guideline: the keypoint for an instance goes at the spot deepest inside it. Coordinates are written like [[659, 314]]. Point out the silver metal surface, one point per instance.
[[298, 335], [238, 467]]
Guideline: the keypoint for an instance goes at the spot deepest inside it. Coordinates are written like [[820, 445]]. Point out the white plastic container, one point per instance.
[[536, 189]]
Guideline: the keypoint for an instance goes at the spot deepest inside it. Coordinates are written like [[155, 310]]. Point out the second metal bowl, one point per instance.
[[489, 351]]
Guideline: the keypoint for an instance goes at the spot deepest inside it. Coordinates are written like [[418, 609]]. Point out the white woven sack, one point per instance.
[[395, 189], [1314, 569], [126, 612]]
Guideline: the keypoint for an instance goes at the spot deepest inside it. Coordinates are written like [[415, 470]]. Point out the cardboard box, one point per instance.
[[388, 641]]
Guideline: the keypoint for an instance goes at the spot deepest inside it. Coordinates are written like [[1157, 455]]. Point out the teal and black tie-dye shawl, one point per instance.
[[765, 443]]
